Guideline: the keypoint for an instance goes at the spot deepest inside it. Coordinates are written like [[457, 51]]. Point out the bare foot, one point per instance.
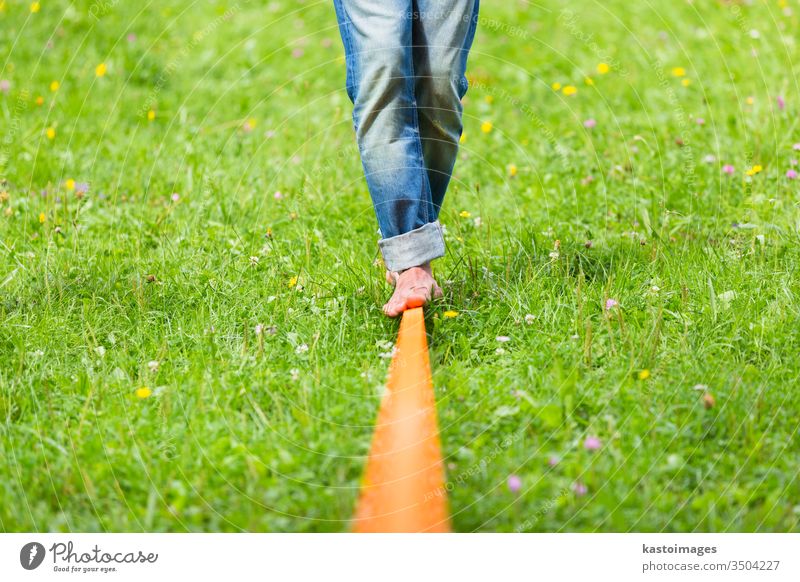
[[412, 288]]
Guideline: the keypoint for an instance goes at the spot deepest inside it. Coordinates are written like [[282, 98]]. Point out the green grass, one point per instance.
[[248, 432]]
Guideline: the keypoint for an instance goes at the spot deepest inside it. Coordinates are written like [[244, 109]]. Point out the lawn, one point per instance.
[[190, 328]]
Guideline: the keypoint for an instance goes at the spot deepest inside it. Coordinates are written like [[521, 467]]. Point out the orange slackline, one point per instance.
[[403, 488]]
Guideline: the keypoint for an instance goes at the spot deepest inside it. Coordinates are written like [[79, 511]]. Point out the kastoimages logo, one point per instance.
[[31, 555]]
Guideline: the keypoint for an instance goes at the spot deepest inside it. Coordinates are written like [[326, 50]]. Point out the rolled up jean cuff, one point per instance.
[[413, 248]]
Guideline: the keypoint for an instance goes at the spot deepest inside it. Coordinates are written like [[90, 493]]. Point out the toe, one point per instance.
[[393, 307]]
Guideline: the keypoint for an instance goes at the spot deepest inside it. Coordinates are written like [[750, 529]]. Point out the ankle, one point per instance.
[[426, 267]]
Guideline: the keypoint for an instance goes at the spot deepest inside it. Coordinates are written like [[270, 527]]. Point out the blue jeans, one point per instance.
[[405, 76]]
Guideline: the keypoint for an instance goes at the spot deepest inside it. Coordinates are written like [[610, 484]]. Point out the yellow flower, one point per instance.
[[54, 86], [644, 374], [3, 196], [40, 100], [151, 115], [589, 81], [51, 133], [569, 90], [8, 211], [35, 7], [486, 126], [678, 72], [42, 218], [686, 82], [464, 214], [100, 70], [489, 99], [70, 184], [143, 392], [512, 170], [749, 100], [754, 170], [555, 86], [603, 68], [450, 314], [463, 138], [292, 282]]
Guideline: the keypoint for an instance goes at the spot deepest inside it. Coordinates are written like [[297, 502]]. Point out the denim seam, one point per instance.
[[418, 138], [348, 49], [466, 45]]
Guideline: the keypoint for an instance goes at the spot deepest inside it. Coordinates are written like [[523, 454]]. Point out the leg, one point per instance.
[[442, 34], [377, 37]]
